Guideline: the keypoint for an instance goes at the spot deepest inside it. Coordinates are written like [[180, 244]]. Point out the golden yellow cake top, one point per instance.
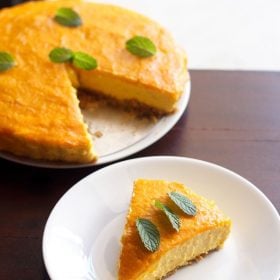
[[29, 29], [135, 259]]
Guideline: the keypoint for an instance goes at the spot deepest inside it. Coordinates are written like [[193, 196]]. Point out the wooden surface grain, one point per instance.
[[233, 119]]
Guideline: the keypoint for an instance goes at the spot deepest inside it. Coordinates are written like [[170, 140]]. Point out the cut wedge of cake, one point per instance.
[[39, 110], [199, 234]]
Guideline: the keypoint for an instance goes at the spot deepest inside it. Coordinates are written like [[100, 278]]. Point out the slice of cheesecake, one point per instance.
[[39, 110], [199, 234]]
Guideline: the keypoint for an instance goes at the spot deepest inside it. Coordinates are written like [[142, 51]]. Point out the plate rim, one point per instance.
[[248, 184], [120, 154]]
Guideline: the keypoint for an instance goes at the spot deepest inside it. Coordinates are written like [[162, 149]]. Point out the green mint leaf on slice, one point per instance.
[[148, 233], [6, 61], [185, 204], [60, 55], [84, 61], [67, 17], [172, 217], [141, 46]]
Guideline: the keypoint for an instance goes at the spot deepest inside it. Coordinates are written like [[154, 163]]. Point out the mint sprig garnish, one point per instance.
[[80, 60], [6, 61], [172, 217], [141, 46], [148, 233], [185, 204], [67, 17], [61, 55], [84, 61]]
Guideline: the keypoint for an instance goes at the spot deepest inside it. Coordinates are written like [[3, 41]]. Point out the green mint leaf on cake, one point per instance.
[[6, 61], [185, 204], [84, 61], [67, 17], [148, 233], [141, 46], [172, 217], [61, 55]]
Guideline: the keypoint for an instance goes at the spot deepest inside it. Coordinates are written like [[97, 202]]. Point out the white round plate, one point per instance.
[[81, 237], [124, 134]]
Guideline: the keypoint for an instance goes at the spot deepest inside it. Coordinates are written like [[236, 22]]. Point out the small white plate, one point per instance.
[[81, 237], [123, 134]]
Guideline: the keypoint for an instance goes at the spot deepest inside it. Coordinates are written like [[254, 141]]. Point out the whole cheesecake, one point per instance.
[[39, 110], [199, 234]]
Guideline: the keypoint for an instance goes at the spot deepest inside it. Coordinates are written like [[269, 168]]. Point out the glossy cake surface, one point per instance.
[[205, 231], [39, 109]]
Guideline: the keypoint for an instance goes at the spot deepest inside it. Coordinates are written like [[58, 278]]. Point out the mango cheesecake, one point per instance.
[[168, 226], [40, 117]]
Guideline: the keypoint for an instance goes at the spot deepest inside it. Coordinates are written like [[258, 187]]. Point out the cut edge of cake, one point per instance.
[[178, 257]]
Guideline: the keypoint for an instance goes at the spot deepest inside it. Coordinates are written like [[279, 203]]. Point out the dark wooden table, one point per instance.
[[233, 119]]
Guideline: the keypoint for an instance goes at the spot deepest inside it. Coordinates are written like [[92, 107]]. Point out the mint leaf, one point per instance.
[[172, 217], [6, 61], [141, 46], [148, 233], [84, 61], [60, 55], [185, 204], [67, 17]]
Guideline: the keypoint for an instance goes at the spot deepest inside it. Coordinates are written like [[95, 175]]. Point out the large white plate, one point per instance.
[[81, 237], [123, 134]]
